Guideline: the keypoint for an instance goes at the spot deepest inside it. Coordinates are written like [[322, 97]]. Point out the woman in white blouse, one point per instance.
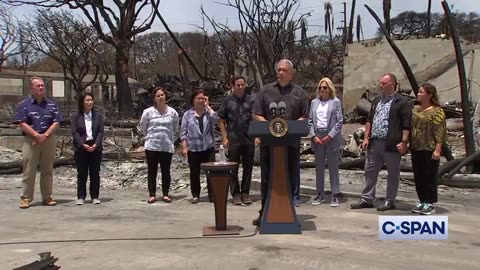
[[325, 123], [159, 124]]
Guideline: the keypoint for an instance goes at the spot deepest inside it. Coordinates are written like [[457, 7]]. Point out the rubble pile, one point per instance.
[[125, 174], [7, 154]]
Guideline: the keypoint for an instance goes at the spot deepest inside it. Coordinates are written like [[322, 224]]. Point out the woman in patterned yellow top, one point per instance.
[[428, 134]]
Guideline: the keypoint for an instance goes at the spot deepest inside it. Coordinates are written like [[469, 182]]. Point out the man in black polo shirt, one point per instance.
[[236, 113], [295, 97]]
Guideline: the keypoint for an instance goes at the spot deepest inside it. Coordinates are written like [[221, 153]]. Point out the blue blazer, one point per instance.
[[79, 132], [335, 120]]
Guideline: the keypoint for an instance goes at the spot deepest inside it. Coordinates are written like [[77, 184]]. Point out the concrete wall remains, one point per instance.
[[367, 61]]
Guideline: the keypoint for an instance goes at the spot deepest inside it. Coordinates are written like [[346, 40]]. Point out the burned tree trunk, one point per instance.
[[401, 57], [185, 77], [429, 17], [179, 45], [467, 120], [124, 95], [350, 27]]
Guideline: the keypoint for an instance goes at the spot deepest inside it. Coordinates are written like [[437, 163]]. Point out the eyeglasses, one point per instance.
[[323, 87]]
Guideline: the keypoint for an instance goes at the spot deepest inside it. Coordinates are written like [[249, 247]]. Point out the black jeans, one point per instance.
[[165, 160], [244, 153], [88, 163], [194, 160], [425, 171], [293, 161]]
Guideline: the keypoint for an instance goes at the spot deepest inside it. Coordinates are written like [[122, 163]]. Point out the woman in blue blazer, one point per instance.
[[87, 131], [325, 123]]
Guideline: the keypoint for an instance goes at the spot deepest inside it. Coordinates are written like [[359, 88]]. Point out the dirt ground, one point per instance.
[[125, 232]]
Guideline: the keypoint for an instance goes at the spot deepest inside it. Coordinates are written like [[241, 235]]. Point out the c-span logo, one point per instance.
[[413, 227]]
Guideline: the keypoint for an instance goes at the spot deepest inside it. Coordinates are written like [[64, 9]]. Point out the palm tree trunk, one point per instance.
[[429, 15], [350, 27], [401, 57]]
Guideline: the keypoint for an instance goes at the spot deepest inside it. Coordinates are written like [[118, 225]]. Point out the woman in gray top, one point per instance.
[[198, 139], [159, 124]]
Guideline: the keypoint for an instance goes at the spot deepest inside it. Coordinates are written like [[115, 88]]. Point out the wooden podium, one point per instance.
[[219, 176], [279, 215]]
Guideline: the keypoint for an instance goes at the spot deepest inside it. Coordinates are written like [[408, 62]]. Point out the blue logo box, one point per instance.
[[413, 227]]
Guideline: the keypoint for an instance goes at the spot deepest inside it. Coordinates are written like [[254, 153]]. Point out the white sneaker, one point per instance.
[[335, 201], [80, 201], [96, 201]]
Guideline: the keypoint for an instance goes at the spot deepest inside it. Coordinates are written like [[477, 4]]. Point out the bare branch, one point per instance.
[[67, 41], [8, 35]]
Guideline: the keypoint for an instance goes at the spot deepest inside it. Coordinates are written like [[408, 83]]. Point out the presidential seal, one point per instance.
[[278, 127]]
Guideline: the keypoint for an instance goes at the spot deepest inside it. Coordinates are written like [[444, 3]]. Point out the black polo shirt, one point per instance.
[[237, 113], [294, 96]]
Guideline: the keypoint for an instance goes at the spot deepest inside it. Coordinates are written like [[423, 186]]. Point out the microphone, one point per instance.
[[273, 108], [282, 107]]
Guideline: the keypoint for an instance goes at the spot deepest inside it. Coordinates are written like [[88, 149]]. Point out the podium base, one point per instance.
[[212, 231], [280, 228]]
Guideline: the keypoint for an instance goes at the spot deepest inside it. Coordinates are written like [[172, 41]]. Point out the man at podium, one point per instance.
[[295, 98]]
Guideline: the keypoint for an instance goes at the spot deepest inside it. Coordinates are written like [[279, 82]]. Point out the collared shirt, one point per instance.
[[39, 115], [237, 113], [380, 119], [293, 95], [190, 131], [160, 129], [88, 125]]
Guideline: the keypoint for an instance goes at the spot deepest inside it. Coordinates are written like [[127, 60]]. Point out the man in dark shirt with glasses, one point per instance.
[[295, 98]]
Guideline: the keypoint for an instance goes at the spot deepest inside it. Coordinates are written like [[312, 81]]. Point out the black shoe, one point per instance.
[[257, 221], [361, 204], [387, 206], [210, 199]]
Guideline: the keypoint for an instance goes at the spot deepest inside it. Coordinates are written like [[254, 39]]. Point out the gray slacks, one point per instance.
[[376, 158], [331, 152]]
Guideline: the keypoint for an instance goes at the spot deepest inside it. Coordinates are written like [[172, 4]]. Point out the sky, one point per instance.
[[184, 15], [183, 18]]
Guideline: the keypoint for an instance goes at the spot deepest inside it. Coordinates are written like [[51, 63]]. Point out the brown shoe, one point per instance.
[[49, 202], [236, 200], [246, 199], [166, 199], [152, 199], [24, 203]]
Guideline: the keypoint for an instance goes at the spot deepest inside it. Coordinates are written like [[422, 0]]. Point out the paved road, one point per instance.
[[333, 238]]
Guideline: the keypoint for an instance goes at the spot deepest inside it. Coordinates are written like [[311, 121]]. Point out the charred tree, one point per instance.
[[401, 57], [116, 24]]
